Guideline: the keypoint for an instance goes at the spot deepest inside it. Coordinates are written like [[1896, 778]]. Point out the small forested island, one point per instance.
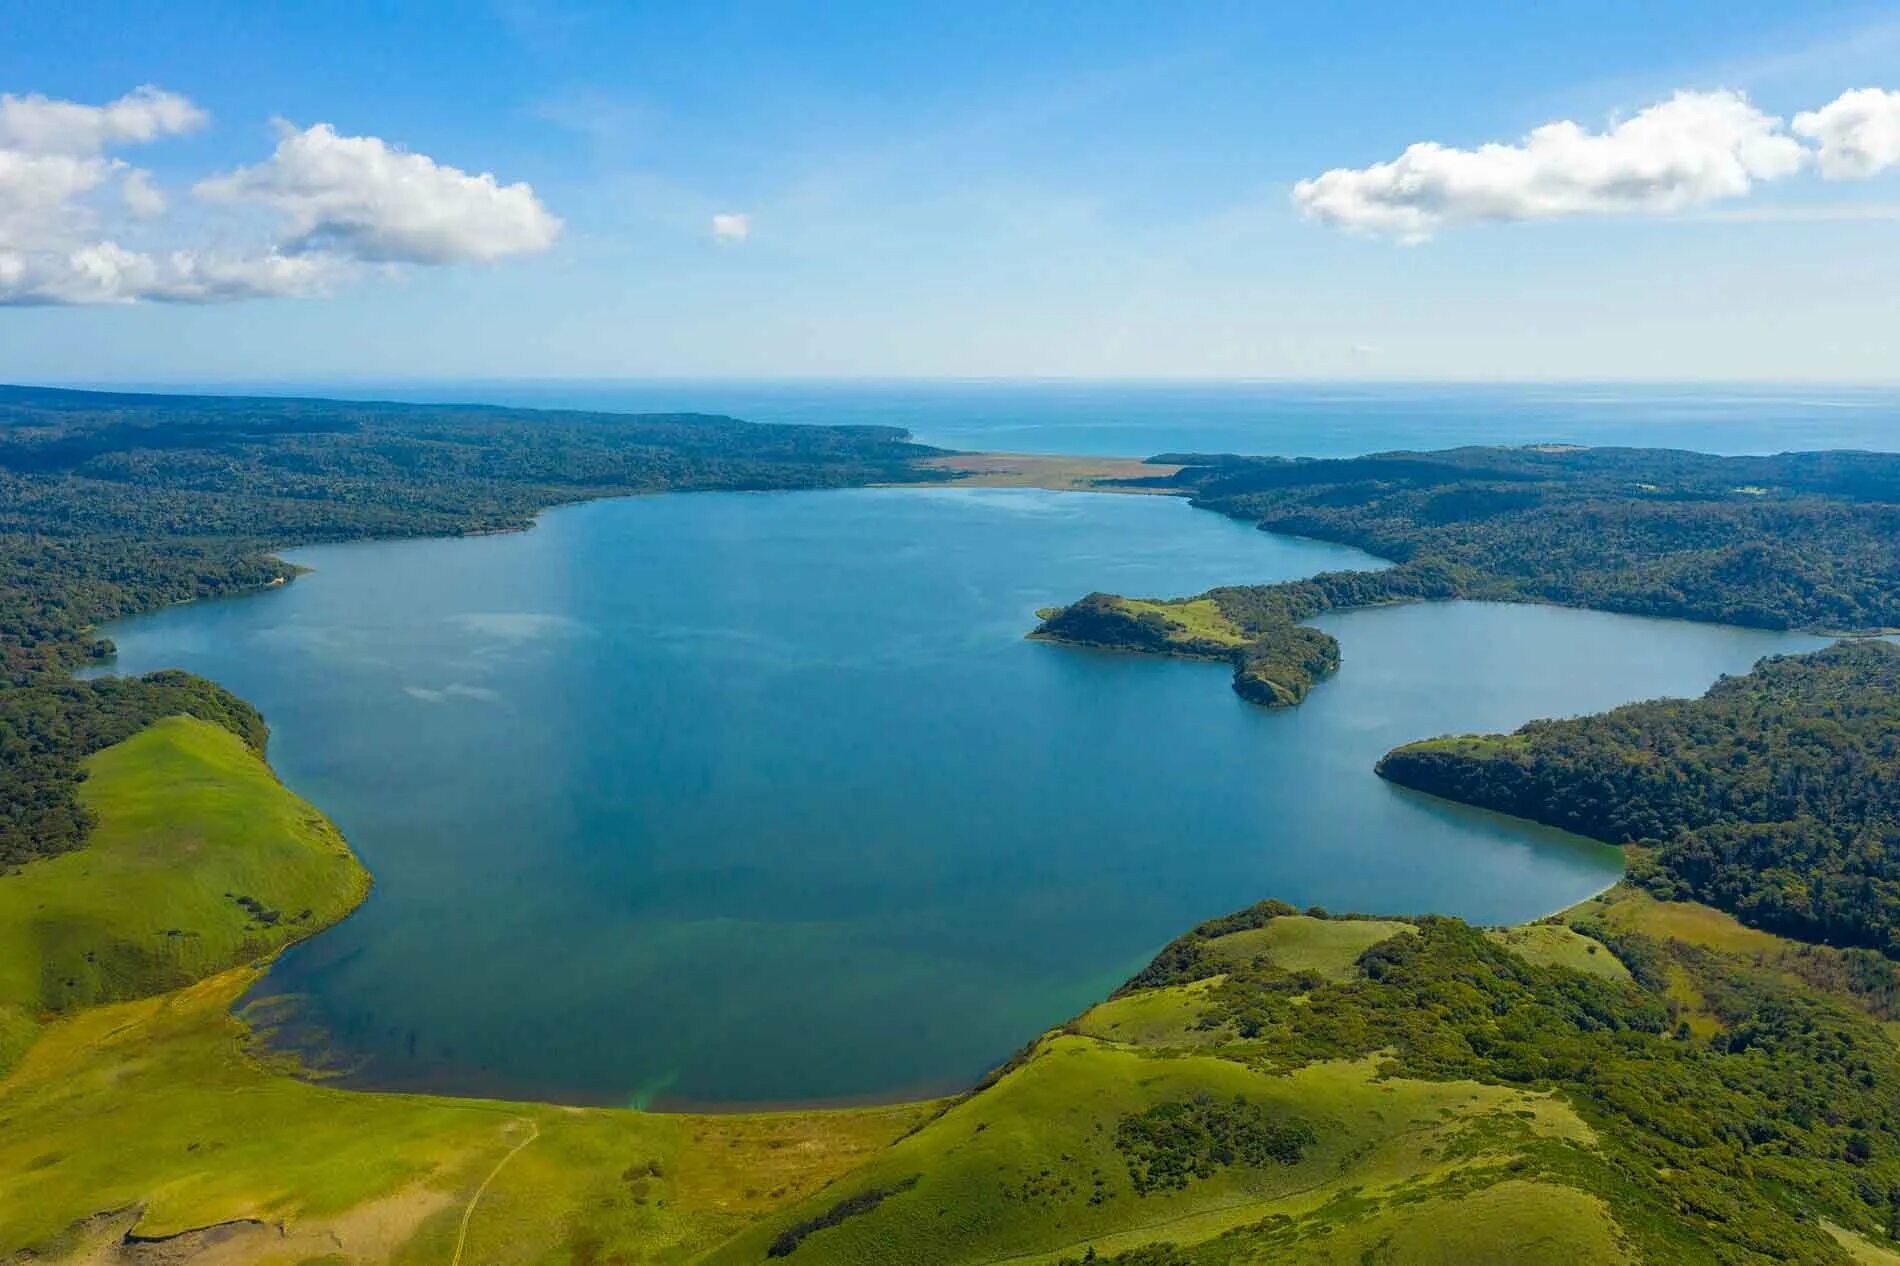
[[1697, 1066], [1801, 540]]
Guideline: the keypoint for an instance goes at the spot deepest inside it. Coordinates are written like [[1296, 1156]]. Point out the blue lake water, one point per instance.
[[1289, 419], [764, 797]]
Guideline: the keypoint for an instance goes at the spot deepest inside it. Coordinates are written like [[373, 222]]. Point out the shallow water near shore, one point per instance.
[[764, 798]]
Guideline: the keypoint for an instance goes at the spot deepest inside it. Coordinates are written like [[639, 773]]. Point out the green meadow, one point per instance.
[[1554, 944], [160, 1113], [200, 861], [1193, 620], [1300, 942]]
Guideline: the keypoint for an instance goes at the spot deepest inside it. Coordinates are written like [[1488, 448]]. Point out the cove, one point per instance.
[[763, 798]]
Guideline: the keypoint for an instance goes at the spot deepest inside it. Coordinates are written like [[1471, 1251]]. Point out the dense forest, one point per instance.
[[1800, 540], [114, 503], [1775, 796], [1808, 540]]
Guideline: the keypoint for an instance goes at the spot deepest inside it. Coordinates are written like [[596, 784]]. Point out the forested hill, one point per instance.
[[1796, 540], [1775, 796], [113, 503]]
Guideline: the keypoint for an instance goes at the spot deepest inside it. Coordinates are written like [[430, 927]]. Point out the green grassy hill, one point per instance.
[[1454, 1095], [1127, 1135], [201, 860], [1039, 1166]]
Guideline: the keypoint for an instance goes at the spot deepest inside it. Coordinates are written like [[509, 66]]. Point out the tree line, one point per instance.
[[1775, 796]]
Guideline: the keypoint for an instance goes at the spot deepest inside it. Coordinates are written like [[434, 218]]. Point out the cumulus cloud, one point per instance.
[[731, 227], [1856, 135], [41, 125], [1695, 148], [52, 160], [105, 272], [340, 202], [52, 155], [142, 197], [360, 197]]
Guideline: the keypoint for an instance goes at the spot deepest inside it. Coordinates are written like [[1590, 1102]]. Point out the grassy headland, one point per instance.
[[201, 861], [1276, 667], [1277, 660]]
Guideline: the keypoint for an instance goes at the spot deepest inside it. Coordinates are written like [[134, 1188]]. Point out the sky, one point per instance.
[[1605, 190]]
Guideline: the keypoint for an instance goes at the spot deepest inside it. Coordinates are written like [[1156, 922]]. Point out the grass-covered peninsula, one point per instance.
[[201, 861], [1275, 664]]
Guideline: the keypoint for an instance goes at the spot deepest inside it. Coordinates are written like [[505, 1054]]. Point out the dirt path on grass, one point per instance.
[[461, 1236]]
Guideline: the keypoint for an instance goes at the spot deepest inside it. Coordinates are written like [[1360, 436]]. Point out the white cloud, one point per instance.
[[42, 125], [52, 159], [105, 272], [1695, 148], [1856, 135], [142, 197], [731, 227], [344, 201], [37, 192], [362, 198]]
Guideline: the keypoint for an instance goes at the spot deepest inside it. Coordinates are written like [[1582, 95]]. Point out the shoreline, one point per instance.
[[661, 1104]]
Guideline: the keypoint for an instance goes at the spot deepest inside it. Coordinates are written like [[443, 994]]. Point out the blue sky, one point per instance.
[[1015, 190]]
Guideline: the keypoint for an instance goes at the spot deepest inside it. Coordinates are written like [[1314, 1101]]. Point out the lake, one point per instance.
[[763, 798]]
